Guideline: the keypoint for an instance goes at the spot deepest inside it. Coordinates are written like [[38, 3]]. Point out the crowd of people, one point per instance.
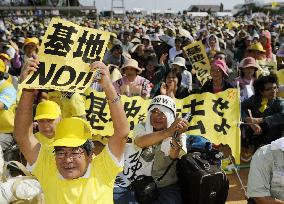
[[145, 58]]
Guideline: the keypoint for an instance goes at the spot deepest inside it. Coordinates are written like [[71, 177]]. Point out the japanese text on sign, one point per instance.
[[65, 55], [199, 60], [214, 116]]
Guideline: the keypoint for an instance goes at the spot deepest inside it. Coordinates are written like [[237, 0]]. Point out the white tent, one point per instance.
[[197, 14], [222, 14]]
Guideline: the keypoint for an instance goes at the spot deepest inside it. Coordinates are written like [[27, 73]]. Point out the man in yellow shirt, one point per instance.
[[48, 114], [74, 175], [71, 104], [7, 105]]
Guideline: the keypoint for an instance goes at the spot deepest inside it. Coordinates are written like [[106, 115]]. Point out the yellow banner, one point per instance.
[[65, 54], [199, 60], [274, 4], [215, 116], [280, 76], [270, 66]]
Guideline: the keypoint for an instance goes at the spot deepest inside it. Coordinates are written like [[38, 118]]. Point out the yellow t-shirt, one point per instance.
[[43, 140], [7, 116], [55, 96], [280, 76], [97, 187], [73, 106]]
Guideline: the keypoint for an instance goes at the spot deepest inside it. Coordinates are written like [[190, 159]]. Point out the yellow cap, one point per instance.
[[7, 57], [2, 66], [47, 110], [257, 46], [113, 35], [32, 40], [72, 132]]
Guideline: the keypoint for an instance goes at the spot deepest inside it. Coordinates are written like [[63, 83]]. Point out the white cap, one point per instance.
[[164, 101]]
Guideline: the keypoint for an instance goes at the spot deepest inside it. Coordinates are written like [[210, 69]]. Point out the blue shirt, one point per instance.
[[8, 95]]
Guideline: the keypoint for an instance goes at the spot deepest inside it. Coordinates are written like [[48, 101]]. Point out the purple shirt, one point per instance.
[[139, 87]]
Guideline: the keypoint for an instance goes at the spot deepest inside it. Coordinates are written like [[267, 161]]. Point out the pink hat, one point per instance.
[[220, 64], [249, 62]]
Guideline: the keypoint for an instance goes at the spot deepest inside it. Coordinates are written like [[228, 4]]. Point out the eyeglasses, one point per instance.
[[75, 154]]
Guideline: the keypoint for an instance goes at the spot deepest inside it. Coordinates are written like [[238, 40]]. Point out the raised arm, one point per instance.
[[23, 130], [117, 142], [147, 140]]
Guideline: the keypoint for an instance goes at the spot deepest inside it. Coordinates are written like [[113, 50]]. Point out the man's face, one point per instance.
[[178, 44], [248, 42], [30, 50], [150, 67], [216, 73], [140, 50], [270, 91], [117, 53], [158, 120], [72, 162], [126, 38], [212, 41], [220, 57], [47, 127]]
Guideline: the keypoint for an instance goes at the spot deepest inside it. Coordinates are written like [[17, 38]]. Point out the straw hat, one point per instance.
[[133, 64], [249, 62]]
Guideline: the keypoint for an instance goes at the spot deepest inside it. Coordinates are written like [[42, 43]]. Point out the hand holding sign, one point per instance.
[[29, 67]]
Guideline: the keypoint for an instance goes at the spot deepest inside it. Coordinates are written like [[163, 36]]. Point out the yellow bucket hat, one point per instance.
[[5, 56], [257, 46], [32, 40], [47, 110], [2, 66], [72, 132]]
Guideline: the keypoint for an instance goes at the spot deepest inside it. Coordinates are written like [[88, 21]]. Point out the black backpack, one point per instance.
[[201, 182]]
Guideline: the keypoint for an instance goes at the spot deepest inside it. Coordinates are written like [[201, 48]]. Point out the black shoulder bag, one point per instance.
[[145, 187]]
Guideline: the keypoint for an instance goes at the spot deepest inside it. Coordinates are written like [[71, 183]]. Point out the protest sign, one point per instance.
[[280, 76], [267, 66], [135, 164], [199, 60], [65, 54], [215, 116]]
